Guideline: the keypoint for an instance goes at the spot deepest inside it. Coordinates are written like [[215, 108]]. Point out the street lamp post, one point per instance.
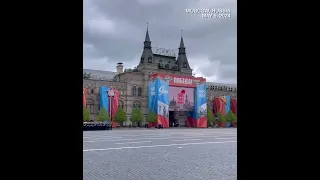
[[111, 94]]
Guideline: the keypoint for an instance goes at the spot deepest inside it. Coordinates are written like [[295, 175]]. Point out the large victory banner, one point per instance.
[[152, 97], [104, 101], [234, 105], [228, 99], [200, 113], [184, 94], [162, 91], [115, 105]]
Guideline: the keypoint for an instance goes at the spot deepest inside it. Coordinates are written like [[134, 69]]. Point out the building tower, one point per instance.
[[147, 60], [120, 68], [147, 55], [182, 61]]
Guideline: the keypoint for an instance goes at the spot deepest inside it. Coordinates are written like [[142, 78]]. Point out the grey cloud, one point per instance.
[[116, 30]]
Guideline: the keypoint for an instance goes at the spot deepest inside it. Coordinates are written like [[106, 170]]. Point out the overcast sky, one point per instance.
[[114, 31]]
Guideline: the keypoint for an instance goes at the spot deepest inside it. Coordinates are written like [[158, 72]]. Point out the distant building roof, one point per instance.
[[100, 75], [221, 84], [109, 75]]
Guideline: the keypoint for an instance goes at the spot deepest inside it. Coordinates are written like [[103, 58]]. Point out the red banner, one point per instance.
[[85, 95], [177, 80], [115, 103], [220, 105], [234, 105]]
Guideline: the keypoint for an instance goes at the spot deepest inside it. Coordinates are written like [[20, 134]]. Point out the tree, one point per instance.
[[103, 115], [222, 118], [86, 75], [86, 114], [210, 115], [136, 116], [152, 117], [231, 117], [121, 116]]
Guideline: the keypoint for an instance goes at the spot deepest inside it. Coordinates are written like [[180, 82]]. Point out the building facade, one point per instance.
[[133, 83]]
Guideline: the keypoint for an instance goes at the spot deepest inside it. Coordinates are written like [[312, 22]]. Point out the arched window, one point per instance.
[[149, 59], [121, 104], [134, 91], [90, 106], [140, 91], [136, 104]]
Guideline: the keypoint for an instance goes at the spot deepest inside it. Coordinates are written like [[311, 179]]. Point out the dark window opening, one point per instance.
[[140, 91], [134, 91]]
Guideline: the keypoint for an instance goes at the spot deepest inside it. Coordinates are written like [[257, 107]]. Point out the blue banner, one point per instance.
[[200, 102], [104, 101], [152, 97], [162, 91], [228, 103]]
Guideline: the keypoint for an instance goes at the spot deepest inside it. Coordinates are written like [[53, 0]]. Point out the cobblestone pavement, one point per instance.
[[160, 154]]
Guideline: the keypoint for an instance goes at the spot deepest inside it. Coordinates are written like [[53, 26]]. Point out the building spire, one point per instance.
[[181, 41], [147, 39], [182, 60], [147, 55]]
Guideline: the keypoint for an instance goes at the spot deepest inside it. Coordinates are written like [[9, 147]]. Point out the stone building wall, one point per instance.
[[129, 99]]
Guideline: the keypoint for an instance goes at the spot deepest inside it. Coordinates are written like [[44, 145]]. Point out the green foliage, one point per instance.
[[86, 114], [210, 115], [103, 115], [152, 117], [136, 116], [231, 117], [86, 75], [121, 116], [222, 118]]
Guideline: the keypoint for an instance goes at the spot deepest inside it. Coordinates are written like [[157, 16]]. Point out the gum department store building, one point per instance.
[[133, 83]]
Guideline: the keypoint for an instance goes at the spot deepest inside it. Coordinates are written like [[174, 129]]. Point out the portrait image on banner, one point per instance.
[[152, 97], [115, 105], [162, 88], [234, 105], [181, 98], [200, 114], [115, 102], [220, 104]]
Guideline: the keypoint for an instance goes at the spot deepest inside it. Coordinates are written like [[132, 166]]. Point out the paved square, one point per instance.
[[156, 154]]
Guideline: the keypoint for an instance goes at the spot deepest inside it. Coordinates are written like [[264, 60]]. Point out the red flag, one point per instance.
[[219, 106], [85, 95], [115, 103], [234, 105]]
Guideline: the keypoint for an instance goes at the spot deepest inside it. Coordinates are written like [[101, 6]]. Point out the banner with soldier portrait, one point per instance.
[[200, 111], [162, 88]]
